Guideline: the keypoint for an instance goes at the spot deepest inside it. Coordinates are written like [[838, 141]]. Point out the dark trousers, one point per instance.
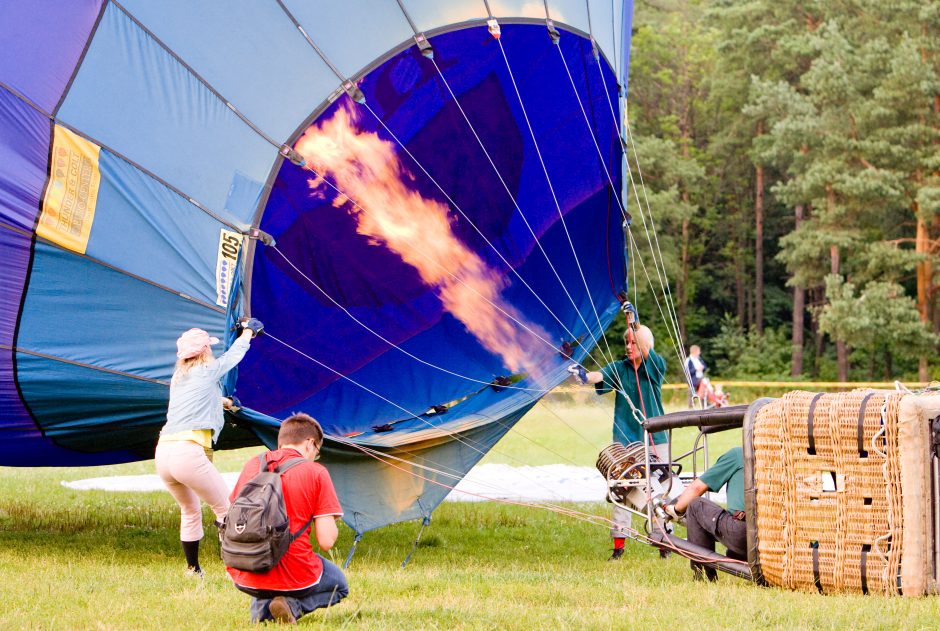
[[707, 522], [331, 589]]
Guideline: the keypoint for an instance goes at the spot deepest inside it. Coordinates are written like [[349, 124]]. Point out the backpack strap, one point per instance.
[[294, 535], [280, 470], [289, 464]]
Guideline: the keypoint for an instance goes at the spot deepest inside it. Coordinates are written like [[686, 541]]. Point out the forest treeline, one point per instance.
[[791, 158]]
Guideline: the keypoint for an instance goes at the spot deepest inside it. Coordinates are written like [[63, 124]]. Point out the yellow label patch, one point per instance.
[[68, 209], [230, 243]]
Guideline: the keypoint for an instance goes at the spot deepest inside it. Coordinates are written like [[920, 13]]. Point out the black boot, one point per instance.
[[191, 550]]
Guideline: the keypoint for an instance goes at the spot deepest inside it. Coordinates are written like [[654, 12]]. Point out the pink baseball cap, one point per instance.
[[194, 343]]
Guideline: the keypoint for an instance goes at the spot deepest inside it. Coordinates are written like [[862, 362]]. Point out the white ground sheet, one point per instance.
[[555, 483]]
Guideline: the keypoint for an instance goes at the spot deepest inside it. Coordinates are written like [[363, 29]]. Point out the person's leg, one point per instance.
[[733, 533], [623, 521], [168, 460], [331, 589], [199, 474], [701, 522], [259, 610]]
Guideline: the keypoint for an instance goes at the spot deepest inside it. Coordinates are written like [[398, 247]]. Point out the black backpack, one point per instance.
[[255, 533]]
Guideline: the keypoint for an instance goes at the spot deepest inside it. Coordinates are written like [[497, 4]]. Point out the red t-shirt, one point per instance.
[[308, 492]]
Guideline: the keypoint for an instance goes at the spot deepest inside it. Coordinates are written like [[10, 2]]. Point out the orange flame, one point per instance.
[[367, 170]]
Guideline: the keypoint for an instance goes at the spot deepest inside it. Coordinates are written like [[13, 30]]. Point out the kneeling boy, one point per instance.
[[302, 581]]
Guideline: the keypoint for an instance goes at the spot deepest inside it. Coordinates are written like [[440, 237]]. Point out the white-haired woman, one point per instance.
[[194, 420], [638, 380]]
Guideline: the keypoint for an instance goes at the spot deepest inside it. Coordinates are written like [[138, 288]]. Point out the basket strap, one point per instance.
[[809, 424], [863, 567], [862, 452], [817, 580]]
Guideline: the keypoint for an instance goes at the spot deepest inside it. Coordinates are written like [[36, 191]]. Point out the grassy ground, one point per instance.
[[77, 560]]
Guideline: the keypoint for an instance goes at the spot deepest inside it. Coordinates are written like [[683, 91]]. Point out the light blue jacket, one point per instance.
[[196, 398]]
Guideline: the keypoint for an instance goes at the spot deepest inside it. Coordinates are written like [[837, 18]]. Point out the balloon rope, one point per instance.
[[660, 263], [420, 166], [515, 203], [551, 189], [389, 342], [604, 165], [554, 508], [455, 474], [471, 223], [468, 442]]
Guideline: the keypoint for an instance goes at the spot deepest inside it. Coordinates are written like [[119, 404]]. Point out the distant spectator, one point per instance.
[[695, 367]]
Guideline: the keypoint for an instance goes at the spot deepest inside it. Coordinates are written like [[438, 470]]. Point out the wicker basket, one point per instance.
[[841, 487]]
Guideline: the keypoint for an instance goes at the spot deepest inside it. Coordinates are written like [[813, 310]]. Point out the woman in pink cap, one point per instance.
[[193, 422]]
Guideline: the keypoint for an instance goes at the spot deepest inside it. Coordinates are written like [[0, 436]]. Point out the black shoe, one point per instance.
[[616, 554], [664, 553], [700, 573], [281, 611]]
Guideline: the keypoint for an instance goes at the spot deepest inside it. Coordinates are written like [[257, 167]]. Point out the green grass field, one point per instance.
[[97, 560]]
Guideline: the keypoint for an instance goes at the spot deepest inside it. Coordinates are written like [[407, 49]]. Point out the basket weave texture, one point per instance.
[[828, 490]]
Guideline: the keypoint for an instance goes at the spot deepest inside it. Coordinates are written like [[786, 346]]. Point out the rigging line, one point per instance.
[[450, 273], [661, 374], [389, 342], [545, 506], [454, 435], [474, 226], [636, 160], [672, 320], [636, 298], [513, 199], [560, 510], [636, 291], [601, 157], [591, 131], [346, 82], [660, 265], [551, 189], [600, 154], [554, 508], [652, 287], [667, 293], [458, 475]]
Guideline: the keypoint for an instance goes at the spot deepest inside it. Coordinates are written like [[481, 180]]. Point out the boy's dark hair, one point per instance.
[[297, 428]]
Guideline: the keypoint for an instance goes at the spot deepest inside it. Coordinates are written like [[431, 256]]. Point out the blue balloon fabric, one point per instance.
[[437, 192]]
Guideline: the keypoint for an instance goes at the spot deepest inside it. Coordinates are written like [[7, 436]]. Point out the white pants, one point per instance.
[[189, 476], [623, 522]]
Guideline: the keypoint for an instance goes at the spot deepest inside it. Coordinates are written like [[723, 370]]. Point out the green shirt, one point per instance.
[[619, 376], [728, 470]]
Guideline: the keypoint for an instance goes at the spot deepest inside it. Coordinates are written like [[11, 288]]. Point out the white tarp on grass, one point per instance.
[[547, 483], [557, 482]]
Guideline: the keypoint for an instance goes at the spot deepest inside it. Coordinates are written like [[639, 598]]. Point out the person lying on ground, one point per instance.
[[302, 580]]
